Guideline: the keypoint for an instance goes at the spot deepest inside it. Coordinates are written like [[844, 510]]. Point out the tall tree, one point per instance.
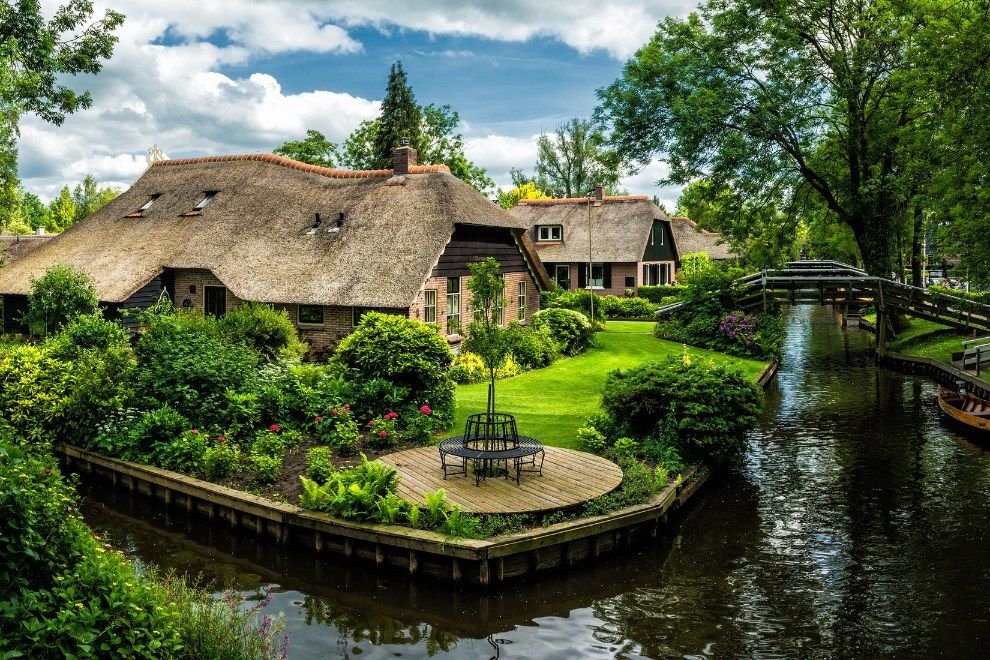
[[400, 118], [781, 100], [359, 147], [89, 197], [573, 160], [314, 149], [442, 143], [62, 211]]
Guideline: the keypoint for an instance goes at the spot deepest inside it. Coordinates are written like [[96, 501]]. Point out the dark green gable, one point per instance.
[[660, 246]]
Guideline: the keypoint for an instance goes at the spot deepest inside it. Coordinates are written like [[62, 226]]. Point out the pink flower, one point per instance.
[[383, 434], [333, 411], [372, 422], [347, 407], [318, 418], [274, 428], [194, 431], [390, 415], [221, 438], [426, 410]]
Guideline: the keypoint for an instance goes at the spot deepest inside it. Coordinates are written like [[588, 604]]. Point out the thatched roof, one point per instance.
[[688, 238], [620, 227], [16, 246], [255, 235]]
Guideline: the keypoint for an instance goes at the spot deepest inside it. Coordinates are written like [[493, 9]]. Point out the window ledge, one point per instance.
[[312, 326]]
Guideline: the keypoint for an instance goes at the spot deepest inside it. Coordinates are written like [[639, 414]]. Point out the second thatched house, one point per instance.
[[325, 245], [627, 240]]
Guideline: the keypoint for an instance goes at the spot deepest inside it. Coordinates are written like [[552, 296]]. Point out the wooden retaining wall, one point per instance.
[[940, 372], [416, 552]]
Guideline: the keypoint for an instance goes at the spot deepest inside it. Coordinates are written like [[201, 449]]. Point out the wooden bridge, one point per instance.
[[850, 289]]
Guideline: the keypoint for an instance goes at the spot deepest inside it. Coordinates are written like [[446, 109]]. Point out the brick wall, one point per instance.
[[511, 310], [186, 279]]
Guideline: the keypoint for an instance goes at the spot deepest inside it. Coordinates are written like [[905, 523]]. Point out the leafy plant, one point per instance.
[[467, 367], [269, 442], [319, 464], [221, 460], [591, 440], [419, 426], [184, 454], [338, 428], [265, 469], [531, 348], [241, 413], [383, 430], [350, 493], [267, 332]]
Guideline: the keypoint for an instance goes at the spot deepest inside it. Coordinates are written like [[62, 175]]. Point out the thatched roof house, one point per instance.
[[629, 241], [688, 239], [322, 243]]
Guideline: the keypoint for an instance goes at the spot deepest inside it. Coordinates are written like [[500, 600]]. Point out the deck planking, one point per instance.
[[569, 478]]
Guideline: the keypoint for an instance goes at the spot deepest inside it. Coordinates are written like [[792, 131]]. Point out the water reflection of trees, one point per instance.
[[376, 629]]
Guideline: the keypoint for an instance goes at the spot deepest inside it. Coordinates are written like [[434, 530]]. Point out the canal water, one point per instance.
[[857, 525]]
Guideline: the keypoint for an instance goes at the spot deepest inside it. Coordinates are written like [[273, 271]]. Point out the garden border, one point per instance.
[[418, 552]]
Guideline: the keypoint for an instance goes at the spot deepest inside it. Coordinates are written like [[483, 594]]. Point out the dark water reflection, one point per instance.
[[856, 526]]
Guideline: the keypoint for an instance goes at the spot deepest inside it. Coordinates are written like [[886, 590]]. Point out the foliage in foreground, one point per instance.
[[63, 593], [701, 410], [710, 321]]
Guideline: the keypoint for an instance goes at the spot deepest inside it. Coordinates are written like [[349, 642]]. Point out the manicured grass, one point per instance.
[[551, 404], [928, 339]]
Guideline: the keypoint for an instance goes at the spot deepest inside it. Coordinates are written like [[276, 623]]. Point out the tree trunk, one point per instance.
[[917, 248]]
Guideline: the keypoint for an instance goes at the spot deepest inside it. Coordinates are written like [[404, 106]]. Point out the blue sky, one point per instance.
[[199, 77]]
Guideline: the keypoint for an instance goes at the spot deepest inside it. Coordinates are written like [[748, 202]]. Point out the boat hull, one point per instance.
[[975, 422]]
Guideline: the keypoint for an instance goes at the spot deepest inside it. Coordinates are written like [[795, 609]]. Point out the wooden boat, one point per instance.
[[967, 409]]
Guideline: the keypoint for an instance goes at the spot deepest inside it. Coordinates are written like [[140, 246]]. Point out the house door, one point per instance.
[[563, 276], [215, 300]]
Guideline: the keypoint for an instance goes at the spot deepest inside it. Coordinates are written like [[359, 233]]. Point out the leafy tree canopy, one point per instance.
[[400, 118], [572, 160], [314, 149], [805, 102], [524, 191]]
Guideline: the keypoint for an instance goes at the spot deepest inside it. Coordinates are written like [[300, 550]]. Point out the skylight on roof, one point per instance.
[[147, 205], [210, 194]]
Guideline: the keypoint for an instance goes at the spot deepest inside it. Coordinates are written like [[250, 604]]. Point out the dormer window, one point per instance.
[[207, 198], [147, 205], [549, 233]]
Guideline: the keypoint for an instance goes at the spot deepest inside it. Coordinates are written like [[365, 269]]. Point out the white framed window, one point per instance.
[[430, 306], [549, 232], [597, 278], [521, 299], [498, 307], [656, 274], [453, 305]]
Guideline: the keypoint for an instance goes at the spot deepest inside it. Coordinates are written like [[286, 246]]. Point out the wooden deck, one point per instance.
[[569, 478]]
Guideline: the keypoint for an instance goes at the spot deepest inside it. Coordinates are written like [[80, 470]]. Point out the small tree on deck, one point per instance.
[[486, 337]]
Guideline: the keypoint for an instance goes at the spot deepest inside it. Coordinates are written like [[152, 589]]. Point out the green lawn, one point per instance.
[[928, 339], [552, 403]]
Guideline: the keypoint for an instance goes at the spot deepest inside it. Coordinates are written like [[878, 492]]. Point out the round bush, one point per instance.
[[268, 332], [397, 349], [571, 330], [704, 410], [530, 347], [57, 297]]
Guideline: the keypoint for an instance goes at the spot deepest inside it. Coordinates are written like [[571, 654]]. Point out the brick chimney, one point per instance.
[[599, 192], [403, 158]]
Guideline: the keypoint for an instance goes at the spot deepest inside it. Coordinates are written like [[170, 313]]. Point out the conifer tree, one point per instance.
[[400, 118]]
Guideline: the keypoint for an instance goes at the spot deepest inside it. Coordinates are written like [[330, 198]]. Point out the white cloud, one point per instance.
[[164, 83]]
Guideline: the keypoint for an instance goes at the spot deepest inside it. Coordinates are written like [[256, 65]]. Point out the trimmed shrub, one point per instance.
[[578, 301], [571, 330], [265, 469], [58, 297], [397, 349], [221, 460], [627, 308], [268, 332], [530, 347], [159, 426], [658, 294], [702, 410], [319, 464]]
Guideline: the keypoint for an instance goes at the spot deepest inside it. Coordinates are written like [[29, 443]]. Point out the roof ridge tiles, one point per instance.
[[282, 161], [582, 200]]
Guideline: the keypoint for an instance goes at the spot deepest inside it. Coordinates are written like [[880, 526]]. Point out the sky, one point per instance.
[[212, 77]]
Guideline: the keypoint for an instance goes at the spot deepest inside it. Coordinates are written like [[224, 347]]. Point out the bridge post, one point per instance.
[[881, 332]]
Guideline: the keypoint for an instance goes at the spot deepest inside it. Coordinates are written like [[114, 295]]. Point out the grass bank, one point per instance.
[[551, 404], [926, 339]]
